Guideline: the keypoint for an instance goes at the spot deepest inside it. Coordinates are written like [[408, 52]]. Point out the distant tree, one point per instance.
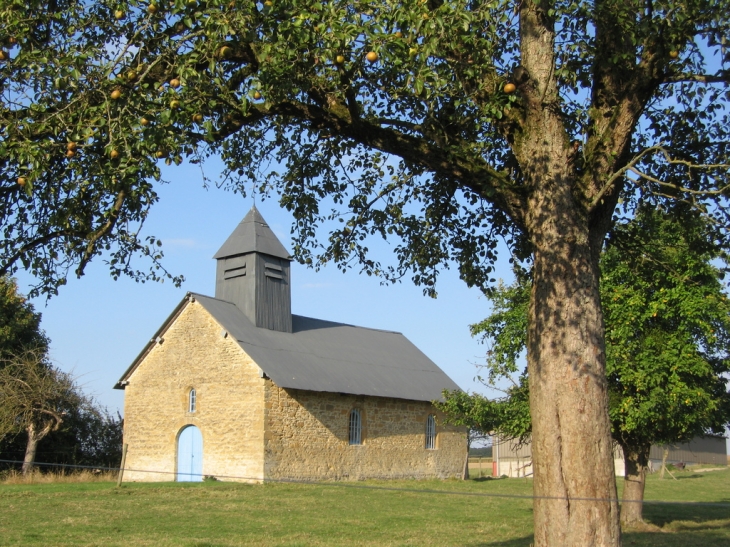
[[668, 341], [89, 436], [668, 344], [471, 412], [481, 416], [481, 451], [34, 398], [19, 324]]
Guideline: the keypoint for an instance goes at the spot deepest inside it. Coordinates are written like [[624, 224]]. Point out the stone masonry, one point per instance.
[[230, 402], [307, 437], [253, 430]]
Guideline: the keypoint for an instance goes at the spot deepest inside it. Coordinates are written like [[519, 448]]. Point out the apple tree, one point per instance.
[[667, 344], [443, 126]]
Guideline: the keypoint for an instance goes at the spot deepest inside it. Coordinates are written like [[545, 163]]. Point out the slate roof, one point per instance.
[[326, 356], [317, 355], [252, 235]]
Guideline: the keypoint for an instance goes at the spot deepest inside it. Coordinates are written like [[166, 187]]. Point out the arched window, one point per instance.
[[355, 427], [191, 400], [430, 432]]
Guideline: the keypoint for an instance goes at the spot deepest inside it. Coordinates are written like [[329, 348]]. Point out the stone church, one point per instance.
[[238, 388]]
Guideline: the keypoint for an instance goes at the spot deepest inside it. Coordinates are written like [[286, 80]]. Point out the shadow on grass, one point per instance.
[[526, 541], [676, 526], [707, 535], [708, 538], [661, 515]]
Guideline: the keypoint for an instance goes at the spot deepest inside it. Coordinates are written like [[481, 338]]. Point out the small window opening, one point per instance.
[[355, 427], [191, 401], [430, 432]]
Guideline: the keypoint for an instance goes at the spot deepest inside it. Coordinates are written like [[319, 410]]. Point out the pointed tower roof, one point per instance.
[[252, 235]]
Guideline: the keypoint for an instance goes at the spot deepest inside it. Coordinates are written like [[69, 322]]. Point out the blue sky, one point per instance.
[[97, 326]]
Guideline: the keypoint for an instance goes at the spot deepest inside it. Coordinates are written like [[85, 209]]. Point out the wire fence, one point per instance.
[[350, 484]]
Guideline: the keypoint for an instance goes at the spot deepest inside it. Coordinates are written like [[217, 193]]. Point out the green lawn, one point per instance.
[[336, 514]]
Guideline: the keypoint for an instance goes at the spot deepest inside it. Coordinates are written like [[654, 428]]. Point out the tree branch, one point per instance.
[[471, 172], [631, 167], [6, 268], [719, 192], [618, 174], [101, 232], [722, 77]]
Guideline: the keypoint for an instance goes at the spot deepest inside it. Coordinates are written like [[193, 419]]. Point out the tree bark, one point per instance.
[[30, 449], [576, 501], [665, 454], [636, 459], [465, 471], [567, 217], [34, 437]]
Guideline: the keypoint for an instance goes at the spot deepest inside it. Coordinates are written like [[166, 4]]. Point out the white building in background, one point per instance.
[[512, 460]]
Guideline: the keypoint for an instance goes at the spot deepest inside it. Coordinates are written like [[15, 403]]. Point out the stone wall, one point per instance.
[[229, 410], [307, 437], [253, 430]]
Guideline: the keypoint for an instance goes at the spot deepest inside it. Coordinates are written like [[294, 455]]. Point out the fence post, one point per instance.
[[121, 468]]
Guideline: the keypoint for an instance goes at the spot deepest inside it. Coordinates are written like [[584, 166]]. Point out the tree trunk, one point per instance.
[[30, 449], [635, 462], [34, 437], [576, 501], [665, 455], [465, 471]]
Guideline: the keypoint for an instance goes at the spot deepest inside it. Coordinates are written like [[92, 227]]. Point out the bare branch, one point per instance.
[[661, 148], [722, 77], [719, 192], [620, 173]]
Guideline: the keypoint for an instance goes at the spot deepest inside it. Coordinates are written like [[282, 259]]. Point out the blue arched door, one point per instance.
[[190, 455]]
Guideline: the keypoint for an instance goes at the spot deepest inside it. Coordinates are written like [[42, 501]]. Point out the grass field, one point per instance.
[[437, 513]]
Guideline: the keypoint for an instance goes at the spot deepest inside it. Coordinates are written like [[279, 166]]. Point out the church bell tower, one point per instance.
[[253, 273]]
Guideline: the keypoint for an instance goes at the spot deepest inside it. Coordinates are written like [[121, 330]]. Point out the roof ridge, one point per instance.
[[348, 324], [340, 323]]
